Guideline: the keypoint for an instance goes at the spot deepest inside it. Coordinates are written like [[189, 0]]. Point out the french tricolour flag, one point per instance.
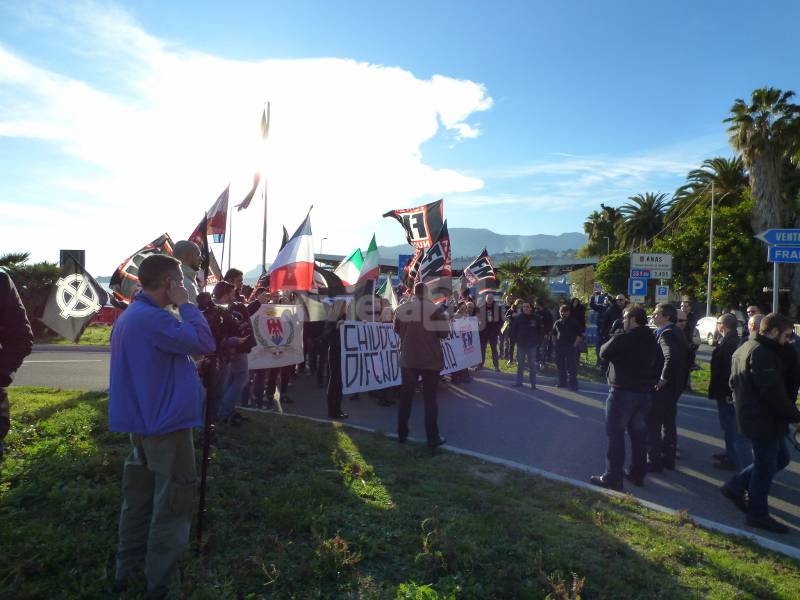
[[293, 268]]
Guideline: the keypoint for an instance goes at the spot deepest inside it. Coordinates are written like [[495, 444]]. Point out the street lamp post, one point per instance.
[[320, 244], [710, 253], [608, 244]]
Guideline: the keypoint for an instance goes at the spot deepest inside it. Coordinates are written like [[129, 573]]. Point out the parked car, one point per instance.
[[707, 327]]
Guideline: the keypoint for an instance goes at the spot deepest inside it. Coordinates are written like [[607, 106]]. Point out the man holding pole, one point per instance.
[[156, 396]]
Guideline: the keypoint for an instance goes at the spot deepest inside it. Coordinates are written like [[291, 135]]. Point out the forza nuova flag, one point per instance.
[[480, 273], [74, 300], [125, 280], [421, 223], [436, 268]]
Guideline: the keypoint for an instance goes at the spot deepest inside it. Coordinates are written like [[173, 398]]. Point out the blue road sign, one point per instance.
[[780, 237], [637, 286], [784, 254], [640, 273]]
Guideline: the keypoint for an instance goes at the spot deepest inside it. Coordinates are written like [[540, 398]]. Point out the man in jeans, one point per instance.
[[420, 324], [631, 356], [156, 396], [526, 329], [738, 453], [765, 405]]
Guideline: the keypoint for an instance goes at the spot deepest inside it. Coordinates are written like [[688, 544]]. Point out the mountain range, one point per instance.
[[467, 241]]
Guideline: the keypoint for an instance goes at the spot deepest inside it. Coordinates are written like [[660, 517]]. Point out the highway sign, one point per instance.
[[640, 273], [783, 254], [780, 237], [637, 287], [659, 265], [662, 293]]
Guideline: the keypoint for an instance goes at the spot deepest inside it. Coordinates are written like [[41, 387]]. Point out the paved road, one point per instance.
[[552, 429]]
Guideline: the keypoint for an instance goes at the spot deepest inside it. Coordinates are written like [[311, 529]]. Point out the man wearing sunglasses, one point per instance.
[[764, 408]]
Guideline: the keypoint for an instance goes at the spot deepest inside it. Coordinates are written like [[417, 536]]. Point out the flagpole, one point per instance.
[[226, 239], [264, 232]]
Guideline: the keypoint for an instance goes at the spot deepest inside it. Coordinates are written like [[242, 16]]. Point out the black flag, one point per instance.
[[285, 239], [73, 301], [480, 273], [125, 280], [421, 223], [436, 267], [249, 197]]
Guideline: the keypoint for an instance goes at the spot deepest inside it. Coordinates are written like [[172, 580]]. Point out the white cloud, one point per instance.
[[569, 181], [168, 127]]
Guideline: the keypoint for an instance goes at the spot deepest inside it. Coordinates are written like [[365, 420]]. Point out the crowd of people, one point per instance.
[[193, 347]]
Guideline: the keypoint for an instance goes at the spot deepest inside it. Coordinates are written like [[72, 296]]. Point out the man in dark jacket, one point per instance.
[[611, 314], [631, 376], [526, 330], [738, 453], [490, 318], [566, 332], [672, 369], [764, 408], [16, 342], [420, 324]]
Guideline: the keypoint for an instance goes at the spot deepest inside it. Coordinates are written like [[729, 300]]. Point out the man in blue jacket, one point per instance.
[[156, 397]]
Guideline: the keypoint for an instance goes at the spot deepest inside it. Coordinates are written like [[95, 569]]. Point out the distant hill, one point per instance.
[[469, 242]]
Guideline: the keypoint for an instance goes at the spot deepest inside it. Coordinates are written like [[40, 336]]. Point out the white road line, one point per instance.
[[27, 362], [679, 403]]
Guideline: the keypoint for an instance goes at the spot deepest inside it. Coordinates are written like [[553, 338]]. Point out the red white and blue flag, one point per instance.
[[218, 216], [293, 268]]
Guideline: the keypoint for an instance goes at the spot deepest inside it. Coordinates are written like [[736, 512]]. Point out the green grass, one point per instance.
[[701, 378], [94, 335], [307, 510]]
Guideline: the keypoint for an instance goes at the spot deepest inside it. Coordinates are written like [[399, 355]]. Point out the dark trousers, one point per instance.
[[626, 411], [662, 430], [567, 363], [769, 457], [490, 340], [5, 421], [430, 381], [268, 378], [334, 382]]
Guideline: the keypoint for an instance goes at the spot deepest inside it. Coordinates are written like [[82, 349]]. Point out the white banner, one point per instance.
[[370, 356], [371, 353], [278, 331], [461, 348]]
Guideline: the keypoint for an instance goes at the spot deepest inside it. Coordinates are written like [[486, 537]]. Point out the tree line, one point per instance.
[[757, 188]]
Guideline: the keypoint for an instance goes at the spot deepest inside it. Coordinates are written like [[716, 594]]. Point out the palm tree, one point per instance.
[[524, 281], [726, 176], [643, 219], [763, 132], [600, 228]]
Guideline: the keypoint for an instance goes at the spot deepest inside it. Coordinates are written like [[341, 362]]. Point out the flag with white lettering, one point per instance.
[[480, 273], [436, 268], [74, 300], [421, 223], [125, 281]]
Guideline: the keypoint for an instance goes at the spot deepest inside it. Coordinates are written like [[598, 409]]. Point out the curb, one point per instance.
[[70, 348], [786, 550]]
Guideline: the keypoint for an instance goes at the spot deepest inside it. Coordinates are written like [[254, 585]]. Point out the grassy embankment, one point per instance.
[[94, 335], [308, 510]]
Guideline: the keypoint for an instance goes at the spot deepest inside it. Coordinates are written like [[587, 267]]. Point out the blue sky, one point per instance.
[[121, 121]]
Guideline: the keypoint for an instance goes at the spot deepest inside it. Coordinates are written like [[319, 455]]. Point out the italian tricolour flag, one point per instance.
[[350, 268]]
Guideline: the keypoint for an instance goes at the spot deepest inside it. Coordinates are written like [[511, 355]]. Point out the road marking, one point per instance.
[[679, 403], [27, 362]]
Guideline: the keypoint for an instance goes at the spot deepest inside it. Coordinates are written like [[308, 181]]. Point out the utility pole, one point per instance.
[[710, 253]]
